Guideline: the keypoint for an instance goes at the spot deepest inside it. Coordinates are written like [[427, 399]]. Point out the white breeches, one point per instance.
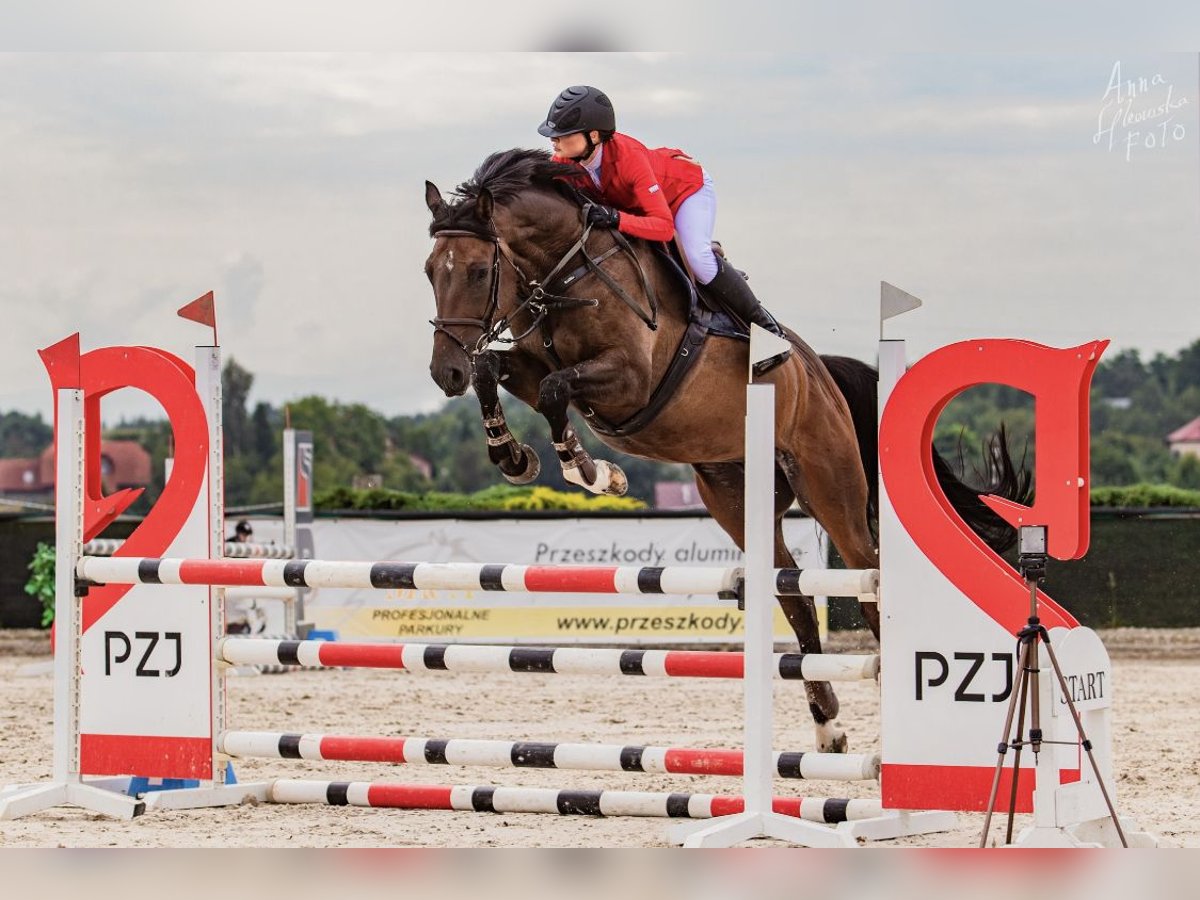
[[694, 223]]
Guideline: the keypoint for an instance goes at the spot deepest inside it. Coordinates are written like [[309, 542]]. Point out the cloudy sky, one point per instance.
[[1004, 189]]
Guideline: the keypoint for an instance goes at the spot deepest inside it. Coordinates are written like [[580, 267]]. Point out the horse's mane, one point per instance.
[[505, 175]]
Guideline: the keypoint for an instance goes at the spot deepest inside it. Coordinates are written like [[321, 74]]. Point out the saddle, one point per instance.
[[724, 323]]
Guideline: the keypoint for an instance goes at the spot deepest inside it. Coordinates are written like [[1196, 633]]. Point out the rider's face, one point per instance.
[[570, 145]]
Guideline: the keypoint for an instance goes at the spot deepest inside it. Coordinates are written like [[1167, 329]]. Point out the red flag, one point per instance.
[[202, 310]]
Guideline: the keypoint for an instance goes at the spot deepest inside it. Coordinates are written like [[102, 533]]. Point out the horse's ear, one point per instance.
[[484, 205], [433, 198]]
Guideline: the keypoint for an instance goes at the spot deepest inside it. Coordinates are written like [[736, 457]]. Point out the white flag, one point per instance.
[[764, 345]]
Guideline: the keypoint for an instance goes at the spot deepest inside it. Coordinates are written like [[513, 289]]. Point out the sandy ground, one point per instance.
[[1155, 750]]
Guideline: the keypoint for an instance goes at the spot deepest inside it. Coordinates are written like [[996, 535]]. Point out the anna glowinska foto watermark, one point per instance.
[[1139, 114]]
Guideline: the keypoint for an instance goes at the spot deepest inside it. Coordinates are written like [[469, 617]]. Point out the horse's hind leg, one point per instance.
[[722, 488], [829, 482], [517, 462]]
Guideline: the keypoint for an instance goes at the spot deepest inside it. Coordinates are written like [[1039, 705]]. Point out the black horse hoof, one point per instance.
[[532, 469]]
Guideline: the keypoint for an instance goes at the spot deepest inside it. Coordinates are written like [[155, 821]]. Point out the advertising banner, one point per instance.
[[496, 617]]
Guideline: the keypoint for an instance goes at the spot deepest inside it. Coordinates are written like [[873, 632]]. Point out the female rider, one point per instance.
[[652, 194]]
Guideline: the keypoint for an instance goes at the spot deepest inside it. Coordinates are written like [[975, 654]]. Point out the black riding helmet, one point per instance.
[[579, 108]]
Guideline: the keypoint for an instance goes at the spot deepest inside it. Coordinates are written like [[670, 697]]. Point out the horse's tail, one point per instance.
[[1002, 476], [859, 384]]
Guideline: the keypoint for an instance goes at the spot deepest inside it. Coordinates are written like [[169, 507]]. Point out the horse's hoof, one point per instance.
[[533, 468], [609, 479], [831, 739], [618, 484]]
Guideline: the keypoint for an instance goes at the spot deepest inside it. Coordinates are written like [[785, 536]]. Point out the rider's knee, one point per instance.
[[701, 260]]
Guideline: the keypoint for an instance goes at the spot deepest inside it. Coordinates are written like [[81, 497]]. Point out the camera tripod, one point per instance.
[[1029, 639]]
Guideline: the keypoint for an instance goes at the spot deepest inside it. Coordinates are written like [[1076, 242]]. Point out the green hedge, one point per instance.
[[498, 498], [1144, 496]]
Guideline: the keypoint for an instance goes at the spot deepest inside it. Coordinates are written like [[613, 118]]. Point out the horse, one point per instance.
[[600, 324]]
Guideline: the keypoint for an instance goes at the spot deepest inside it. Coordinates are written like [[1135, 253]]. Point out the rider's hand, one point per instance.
[[603, 216]]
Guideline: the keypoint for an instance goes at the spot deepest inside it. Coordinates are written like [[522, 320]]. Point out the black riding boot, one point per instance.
[[732, 292]]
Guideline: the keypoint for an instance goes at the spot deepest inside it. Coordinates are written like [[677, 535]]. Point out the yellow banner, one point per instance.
[[572, 624]]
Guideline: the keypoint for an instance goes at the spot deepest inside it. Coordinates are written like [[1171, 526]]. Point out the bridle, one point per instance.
[[539, 301]]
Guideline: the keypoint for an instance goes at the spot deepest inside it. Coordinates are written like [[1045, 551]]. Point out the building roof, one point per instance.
[[122, 464], [1188, 433], [421, 464], [126, 463], [18, 476]]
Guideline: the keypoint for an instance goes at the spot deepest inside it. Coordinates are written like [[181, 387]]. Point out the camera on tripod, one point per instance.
[[1032, 554], [1032, 551]]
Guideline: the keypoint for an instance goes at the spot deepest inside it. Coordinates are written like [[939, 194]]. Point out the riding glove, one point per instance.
[[603, 216]]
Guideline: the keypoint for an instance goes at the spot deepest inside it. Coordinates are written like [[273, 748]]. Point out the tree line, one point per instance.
[[1134, 405]]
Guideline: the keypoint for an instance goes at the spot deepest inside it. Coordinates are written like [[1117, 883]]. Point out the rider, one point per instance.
[[652, 194]]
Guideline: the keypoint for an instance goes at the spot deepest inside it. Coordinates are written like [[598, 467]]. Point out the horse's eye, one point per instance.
[[477, 274]]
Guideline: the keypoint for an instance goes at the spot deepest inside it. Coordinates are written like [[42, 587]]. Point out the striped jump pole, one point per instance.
[[862, 583], [232, 550], [246, 550], [560, 802], [539, 755], [542, 660]]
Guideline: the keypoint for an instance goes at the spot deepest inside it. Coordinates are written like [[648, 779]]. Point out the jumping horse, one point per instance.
[[610, 327]]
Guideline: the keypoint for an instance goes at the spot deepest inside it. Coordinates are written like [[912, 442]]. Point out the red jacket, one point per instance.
[[646, 186]]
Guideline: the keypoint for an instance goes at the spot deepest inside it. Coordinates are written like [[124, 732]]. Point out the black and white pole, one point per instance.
[[758, 820]]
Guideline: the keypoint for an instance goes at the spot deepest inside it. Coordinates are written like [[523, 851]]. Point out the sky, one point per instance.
[[1001, 187]]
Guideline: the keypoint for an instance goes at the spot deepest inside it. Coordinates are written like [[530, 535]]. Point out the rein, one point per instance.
[[541, 302]]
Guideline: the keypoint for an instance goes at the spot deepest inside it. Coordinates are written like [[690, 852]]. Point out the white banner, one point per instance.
[[476, 616]]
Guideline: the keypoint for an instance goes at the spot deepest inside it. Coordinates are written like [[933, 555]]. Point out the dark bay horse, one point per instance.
[[508, 263]]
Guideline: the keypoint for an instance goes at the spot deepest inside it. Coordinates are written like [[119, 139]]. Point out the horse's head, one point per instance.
[[502, 225], [464, 272]]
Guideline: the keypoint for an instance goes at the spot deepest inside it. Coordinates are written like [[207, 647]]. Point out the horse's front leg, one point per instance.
[[554, 398], [517, 462]]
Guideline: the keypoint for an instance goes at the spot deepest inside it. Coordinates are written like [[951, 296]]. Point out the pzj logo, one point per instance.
[[147, 642], [933, 671]]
